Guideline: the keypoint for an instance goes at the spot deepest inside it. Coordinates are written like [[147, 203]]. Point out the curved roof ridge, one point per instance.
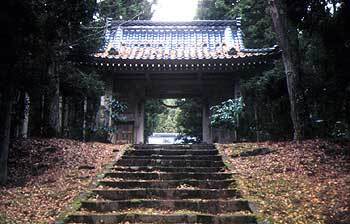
[[175, 23]]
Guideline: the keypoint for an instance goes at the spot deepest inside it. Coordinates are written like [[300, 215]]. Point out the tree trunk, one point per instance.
[[25, 119], [42, 114], [53, 120], [65, 111], [5, 128], [60, 114], [17, 114], [84, 118], [93, 114], [287, 36], [257, 125]]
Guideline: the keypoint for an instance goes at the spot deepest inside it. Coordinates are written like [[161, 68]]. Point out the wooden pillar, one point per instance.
[[108, 97], [206, 129], [237, 94], [237, 89], [139, 121]]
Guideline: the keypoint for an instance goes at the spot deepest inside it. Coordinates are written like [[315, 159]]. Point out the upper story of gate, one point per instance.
[[209, 45]]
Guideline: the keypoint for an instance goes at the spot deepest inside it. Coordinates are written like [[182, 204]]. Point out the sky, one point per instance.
[[175, 10]]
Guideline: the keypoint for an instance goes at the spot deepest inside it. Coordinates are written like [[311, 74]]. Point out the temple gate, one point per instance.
[[148, 59]]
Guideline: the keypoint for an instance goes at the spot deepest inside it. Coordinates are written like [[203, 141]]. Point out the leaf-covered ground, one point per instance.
[[46, 174], [306, 183]]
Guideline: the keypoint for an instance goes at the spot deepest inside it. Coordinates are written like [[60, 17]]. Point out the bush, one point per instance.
[[226, 114]]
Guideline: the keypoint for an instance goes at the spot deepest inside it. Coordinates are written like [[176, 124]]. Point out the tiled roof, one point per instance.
[[150, 40]]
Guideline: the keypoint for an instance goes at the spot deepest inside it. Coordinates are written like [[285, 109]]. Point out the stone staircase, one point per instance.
[[166, 184]]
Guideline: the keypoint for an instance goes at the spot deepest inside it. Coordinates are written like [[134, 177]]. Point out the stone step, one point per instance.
[[114, 218], [157, 193], [203, 184], [196, 205], [167, 169], [177, 163], [168, 176], [174, 146], [145, 152], [166, 184], [177, 157]]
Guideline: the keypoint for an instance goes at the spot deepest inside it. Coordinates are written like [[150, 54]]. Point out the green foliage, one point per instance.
[[266, 105], [262, 91], [38, 33], [125, 10], [185, 118], [217, 9], [227, 114], [152, 110], [80, 83], [117, 110], [324, 50], [325, 58], [166, 120], [256, 21], [340, 130], [189, 119]]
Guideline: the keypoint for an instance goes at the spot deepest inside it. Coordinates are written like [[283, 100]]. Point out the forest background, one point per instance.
[[37, 77]]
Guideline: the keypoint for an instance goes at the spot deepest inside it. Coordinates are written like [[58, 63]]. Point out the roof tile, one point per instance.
[[176, 40]]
